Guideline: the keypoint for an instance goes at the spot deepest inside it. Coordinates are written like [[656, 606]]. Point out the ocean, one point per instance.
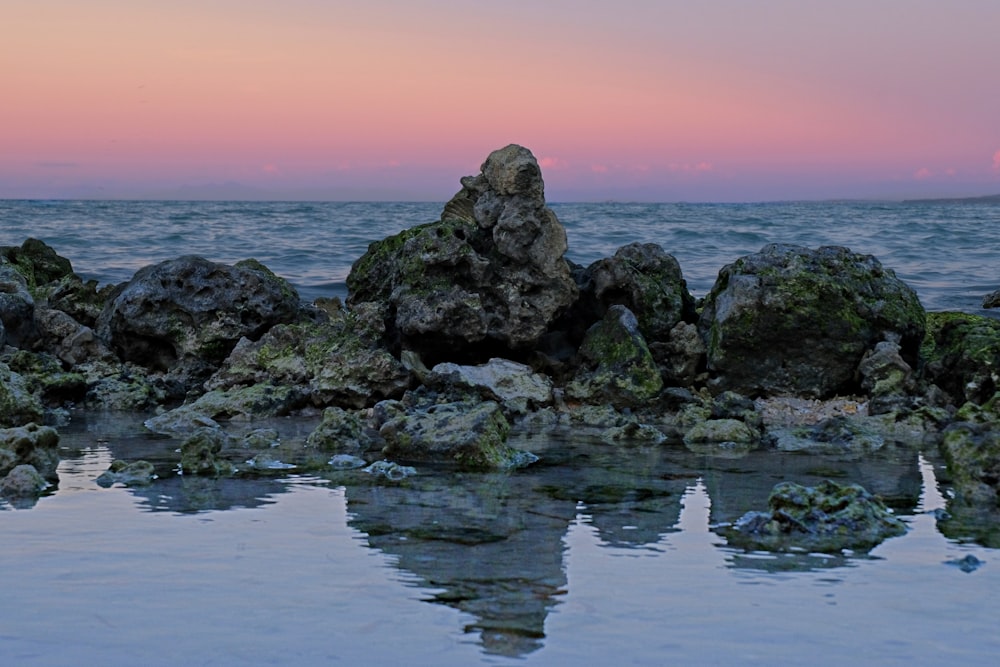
[[946, 251], [598, 554]]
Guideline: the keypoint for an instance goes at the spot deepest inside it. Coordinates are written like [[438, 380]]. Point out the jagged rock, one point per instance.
[[887, 378], [185, 315], [617, 366], [646, 280], [489, 276], [136, 473], [513, 385], [17, 308], [681, 356], [826, 518], [120, 386], [37, 262], [961, 355], [30, 444], [992, 300], [67, 339], [330, 363], [794, 321], [469, 434]]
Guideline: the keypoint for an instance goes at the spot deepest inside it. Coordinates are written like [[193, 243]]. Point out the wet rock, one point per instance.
[[961, 354], [469, 434], [346, 462], [343, 431], [18, 405], [972, 452], [513, 385], [67, 339], [681, 356], [390, 470], [837, 434], [722, 436], [45, 378], [336, 362], [240, 404], [33, 445], [135, 473], [826, 518], [634, 432], [967, 563], [37, 262], [185, 315], [646, 280], [992, 300], [23, 482], [617, 367], [201, 454], [120, 386], [794, 321], [489, 276]]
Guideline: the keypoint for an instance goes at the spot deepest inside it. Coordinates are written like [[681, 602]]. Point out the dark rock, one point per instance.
[[646, 280], [136, 473], [488, 277], [794, 321], [18, 404], [238, 404], [961, 355], [17, 308], [992, 300], [972, 452], [201, 454], [343, 431], [185, 315], [37, 262], [67, 339], [887, 378], [826, 518], [513, 385], [617, 366]]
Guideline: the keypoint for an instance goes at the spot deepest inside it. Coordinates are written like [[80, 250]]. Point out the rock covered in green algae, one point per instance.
[[337, 362], [238, 404], [470, 434], [490, 272], [619, 368], [794, 321], [342, 431], [18, 405], [961, 354], [24, 481], [30, 444], [514, 385], [972, 451], [825, 518], [201, 454], [134, 473]]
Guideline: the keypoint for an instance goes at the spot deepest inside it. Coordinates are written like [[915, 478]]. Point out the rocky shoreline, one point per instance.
[[458, 333]]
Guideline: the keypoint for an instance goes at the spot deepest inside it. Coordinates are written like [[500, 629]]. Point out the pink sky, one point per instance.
[[367, 99]]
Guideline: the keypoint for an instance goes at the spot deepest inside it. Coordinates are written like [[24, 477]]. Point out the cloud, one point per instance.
[[996, 161], [553, 163], [922, 174]]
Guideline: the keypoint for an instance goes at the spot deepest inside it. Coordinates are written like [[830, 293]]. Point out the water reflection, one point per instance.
[[521, 554]]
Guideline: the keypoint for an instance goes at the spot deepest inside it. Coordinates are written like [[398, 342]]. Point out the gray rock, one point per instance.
[[243, 404], [887, 378], [794, 321], [514, 385], [992, 300], [23, 482], [136, 473], [489, 274], [18, 405], [30, 444], [67, 339], [342, 431], [185, 315]]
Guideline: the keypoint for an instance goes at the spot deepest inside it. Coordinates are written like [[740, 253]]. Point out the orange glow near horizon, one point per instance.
[[153, 96]]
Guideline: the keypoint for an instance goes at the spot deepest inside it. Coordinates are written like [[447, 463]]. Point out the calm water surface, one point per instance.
[[596, 555]]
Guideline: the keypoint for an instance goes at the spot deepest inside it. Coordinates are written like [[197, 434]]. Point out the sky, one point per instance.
[[645, 100]]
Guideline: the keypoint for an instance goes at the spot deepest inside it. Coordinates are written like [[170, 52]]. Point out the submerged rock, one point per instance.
[[23, 482], [489, 276], [794, 321], [136, 473], [826, 518]]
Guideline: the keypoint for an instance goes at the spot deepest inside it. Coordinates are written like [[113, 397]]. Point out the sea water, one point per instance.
[[597, 554]]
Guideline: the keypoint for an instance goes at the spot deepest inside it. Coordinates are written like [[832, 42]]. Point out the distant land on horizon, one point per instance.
[[988, 199]]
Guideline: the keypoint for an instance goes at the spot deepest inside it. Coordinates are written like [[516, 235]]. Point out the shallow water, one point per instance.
[[598, 554]]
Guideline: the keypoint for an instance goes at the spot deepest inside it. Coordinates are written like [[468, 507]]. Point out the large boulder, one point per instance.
[[30, 444], [185, 315], [489, 276], [794, 321], [17, 308]]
